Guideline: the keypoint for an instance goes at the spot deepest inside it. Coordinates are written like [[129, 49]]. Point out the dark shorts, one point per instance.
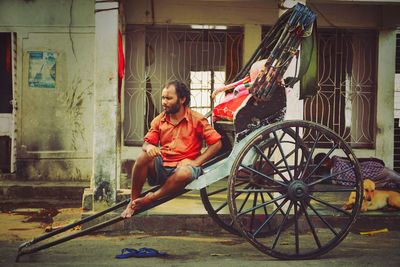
[[163, 172]]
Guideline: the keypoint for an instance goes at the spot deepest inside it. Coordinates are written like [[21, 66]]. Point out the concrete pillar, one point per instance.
[[252, 39], [105, 179], [385, 96]]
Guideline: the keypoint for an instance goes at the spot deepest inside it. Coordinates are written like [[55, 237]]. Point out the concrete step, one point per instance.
[[183, 214], [186, 213], [41, 193], [203, 223]]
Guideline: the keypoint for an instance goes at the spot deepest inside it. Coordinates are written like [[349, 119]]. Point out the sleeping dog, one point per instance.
[[374, 199]]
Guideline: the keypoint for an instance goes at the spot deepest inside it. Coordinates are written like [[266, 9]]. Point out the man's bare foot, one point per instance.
[[143, 201], [135, 205], [128, 212]]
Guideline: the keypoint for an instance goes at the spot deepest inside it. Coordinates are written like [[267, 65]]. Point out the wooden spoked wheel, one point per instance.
[[215, 198], [296, 200]]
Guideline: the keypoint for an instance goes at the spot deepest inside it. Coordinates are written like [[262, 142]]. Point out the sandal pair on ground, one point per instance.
[[139, 253]]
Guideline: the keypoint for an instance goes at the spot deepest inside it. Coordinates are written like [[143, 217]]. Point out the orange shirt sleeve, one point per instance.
[[210, 135], [153, 135]]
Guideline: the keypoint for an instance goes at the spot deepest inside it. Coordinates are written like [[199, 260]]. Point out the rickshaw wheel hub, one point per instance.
[[297, 190]]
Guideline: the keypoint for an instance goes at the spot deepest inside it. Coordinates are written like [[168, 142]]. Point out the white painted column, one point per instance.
[[251, 40], [294, 106], [106, 129], [385, 96]]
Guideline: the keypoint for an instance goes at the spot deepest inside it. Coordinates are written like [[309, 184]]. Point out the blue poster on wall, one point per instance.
[[42, 69]]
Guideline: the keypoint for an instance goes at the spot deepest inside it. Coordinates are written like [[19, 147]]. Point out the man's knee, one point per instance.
[[143, 159], [184, 173]]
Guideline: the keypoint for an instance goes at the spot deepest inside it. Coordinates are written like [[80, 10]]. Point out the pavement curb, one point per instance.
[[203, 223], [157, 223]]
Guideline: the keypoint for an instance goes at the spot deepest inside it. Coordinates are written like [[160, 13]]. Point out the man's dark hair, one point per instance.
[[181, 91]]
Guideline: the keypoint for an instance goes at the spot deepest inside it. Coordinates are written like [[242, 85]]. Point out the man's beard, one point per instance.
[[174, 108]]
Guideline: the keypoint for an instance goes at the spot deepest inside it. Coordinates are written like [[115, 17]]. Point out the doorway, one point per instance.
[[6, 102]]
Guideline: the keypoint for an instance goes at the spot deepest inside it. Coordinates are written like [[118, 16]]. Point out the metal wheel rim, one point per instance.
[[225, 223], [213, 210], [301, 204]]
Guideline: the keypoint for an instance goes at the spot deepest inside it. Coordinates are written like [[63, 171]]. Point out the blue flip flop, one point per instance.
[[139, 253]]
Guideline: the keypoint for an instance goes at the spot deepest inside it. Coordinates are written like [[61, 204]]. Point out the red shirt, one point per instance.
[[183, 140]]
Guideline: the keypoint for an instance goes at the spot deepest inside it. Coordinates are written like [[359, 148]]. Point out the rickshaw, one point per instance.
[[279, 198]]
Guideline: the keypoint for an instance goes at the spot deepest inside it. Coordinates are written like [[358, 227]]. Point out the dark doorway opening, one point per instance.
[[6, 96], [5, 73]]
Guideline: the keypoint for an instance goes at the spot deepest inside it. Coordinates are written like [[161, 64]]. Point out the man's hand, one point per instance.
[[186, 162], [152, 150]]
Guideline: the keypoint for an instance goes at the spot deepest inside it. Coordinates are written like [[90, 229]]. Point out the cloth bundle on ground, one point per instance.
[[371, 168]]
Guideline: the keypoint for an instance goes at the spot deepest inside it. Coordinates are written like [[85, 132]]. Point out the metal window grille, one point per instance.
[[201, 85], [347, 78], [398, 53], [157, 54]]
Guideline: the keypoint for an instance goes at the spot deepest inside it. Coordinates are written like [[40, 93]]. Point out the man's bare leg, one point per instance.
[[175, 183], [143, 167]]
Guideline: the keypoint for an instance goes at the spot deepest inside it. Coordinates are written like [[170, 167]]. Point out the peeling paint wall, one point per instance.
[[54, 125]]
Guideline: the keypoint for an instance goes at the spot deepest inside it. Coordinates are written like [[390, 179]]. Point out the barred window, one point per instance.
[[347, 85], [398, 53], [201, 85], [202, 56]]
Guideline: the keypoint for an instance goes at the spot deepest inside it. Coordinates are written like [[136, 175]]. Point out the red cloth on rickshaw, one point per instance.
[[227, 110]]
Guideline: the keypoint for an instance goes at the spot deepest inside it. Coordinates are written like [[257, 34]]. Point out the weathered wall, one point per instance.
[[346, 14], [54, 125], [201, 12]]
